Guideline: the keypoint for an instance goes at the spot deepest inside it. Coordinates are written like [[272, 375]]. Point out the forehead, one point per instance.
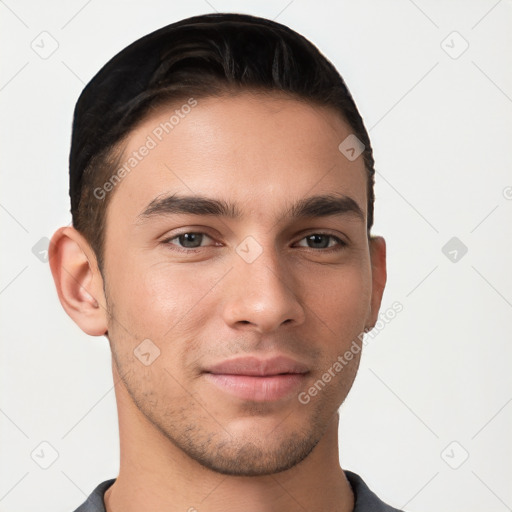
[[258, 150]]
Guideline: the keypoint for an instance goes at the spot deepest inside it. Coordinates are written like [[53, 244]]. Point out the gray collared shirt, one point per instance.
[[365, 499]]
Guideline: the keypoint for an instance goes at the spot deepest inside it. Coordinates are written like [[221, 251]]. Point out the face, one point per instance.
[[225, 316]]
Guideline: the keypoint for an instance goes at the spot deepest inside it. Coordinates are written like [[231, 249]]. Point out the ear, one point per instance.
[[78, 280], [379, 277]]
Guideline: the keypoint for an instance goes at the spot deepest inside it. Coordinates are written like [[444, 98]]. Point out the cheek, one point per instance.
[[342, 297], [162, 299]]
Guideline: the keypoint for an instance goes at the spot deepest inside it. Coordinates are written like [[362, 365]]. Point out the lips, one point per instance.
[[255, 366], [256, 379]]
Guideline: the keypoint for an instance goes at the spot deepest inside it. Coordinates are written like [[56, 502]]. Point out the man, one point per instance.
[[221, 183]]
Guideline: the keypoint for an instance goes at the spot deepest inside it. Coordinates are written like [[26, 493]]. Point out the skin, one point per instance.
[[184, 442]]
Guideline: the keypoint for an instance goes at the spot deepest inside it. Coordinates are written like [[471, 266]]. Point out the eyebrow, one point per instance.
[[314, 206]]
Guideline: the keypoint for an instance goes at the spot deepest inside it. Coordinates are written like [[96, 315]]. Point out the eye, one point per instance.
[[189, 240], [322, 241]]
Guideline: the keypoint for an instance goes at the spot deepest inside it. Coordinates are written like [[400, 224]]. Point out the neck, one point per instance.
[[156, 475]]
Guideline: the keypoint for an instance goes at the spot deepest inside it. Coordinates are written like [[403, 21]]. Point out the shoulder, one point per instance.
[[94, 502], [365, 499]]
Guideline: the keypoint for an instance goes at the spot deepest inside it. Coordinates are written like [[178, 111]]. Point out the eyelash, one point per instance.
[[340, 243]]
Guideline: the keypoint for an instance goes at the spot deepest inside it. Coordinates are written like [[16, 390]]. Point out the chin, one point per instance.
[[252, 460], [251, 452]]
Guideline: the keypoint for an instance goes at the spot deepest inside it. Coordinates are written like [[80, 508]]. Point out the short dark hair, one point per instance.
[[202, 56]]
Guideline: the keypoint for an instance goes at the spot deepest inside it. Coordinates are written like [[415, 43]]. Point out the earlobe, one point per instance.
[[379, 276], [78, 280]]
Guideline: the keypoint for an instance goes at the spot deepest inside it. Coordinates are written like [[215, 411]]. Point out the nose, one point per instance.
[[261, 295]]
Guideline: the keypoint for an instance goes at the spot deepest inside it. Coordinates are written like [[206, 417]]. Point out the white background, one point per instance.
[[441, 128]]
